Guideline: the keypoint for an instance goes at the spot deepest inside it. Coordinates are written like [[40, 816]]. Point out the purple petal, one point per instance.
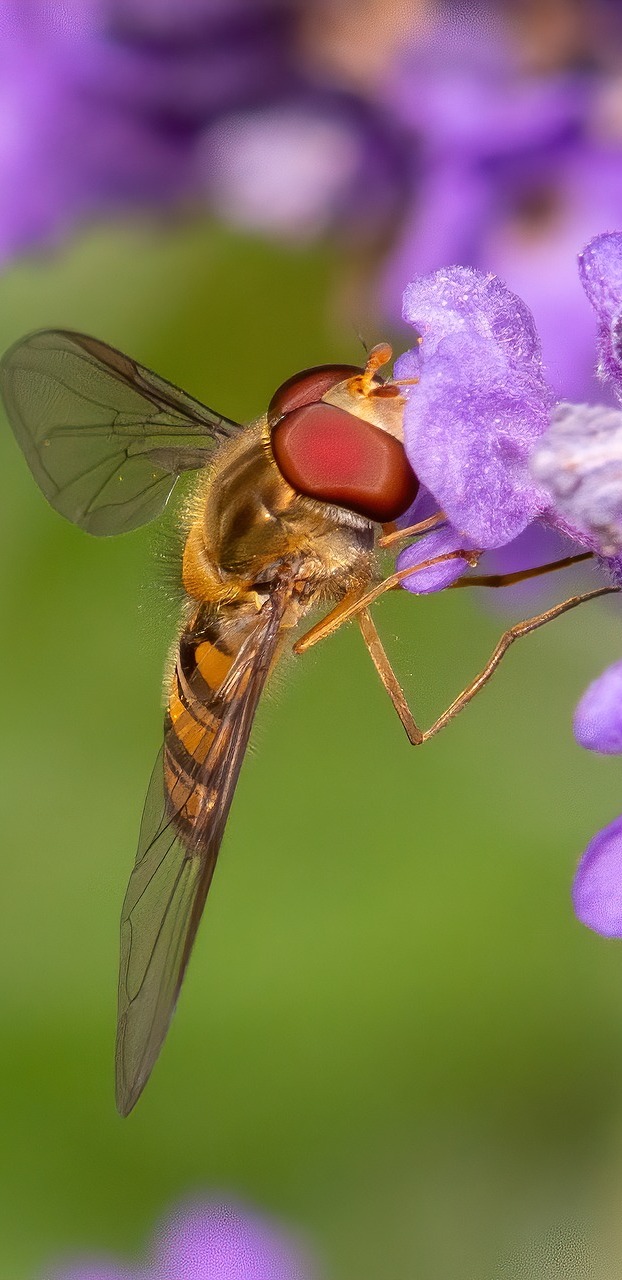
[[579, 461], [226, 1242], [597, 889], [424, 506], [515, 171], [480, 405], [438, 543], [600, 269], [598, 718], [539, 544]]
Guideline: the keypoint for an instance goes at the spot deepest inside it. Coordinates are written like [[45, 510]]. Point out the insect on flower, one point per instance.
[[282, 519]]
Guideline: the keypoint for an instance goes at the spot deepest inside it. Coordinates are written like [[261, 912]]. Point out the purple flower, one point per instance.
[[600, 268], [579, 460], [438, 576], [481, 402], [306, 164], [481, 431], [209, 1241], [108, 107], [516, 168], [597, 889], [598, 717]]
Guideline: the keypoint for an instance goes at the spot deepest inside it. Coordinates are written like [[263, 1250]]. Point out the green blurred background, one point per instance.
[[393, 1035]]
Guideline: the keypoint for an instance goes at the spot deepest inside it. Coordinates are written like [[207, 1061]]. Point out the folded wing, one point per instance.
[[174, 866], [105, 438]]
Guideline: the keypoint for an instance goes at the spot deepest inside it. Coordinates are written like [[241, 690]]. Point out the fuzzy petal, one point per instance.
[[438, 543], [598, 718], [480, 405], [600, 269], [597, 889], [579, 461]]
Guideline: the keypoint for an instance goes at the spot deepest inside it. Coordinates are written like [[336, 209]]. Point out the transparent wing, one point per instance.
[[173, 872], [104, 437]]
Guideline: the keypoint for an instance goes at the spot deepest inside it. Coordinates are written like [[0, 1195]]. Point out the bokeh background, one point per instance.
[[394, 1036]]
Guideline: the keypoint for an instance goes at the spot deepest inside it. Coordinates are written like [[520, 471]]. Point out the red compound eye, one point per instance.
[[308, 388], [329, 454]]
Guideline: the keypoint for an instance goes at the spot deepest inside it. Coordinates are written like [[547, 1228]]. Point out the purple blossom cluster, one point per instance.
[[499, 458], [458, 149], [518, 165], [208, 1241], [109, 107]]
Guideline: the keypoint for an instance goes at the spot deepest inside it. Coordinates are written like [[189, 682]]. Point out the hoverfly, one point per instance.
[[283, 518]]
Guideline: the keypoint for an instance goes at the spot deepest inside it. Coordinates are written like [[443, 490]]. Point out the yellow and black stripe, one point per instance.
[[197, 706]]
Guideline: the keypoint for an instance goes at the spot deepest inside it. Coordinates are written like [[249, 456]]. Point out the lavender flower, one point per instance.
[[480, 403], [600, 268], [598, 717], [579, 459], [597, 889], [209, 1241], [305, 164], [109, 107], [478, 413], [516, 167]]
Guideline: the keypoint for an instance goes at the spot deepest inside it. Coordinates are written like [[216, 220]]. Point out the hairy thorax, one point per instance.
[[247, 527]]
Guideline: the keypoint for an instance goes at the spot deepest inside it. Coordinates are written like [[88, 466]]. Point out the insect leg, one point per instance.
[[389, 679], [351, 605], [520, 575], [513, 633], [396, 535]]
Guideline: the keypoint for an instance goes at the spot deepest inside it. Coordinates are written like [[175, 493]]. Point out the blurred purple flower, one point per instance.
[[597, 889], [579, 459], [306, 164], [598, 717], [600, 268], [209, 1241], [110, 106], [514, 171]]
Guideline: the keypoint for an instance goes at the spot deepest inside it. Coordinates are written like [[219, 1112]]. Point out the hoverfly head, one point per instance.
[[336, 433]]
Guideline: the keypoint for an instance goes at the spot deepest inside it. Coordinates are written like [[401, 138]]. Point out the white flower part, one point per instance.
[[579, 460], [280, 170]]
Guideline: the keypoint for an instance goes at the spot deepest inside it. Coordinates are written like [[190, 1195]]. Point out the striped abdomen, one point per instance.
[[200, 701]]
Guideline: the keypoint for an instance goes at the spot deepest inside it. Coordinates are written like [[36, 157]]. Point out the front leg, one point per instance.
[[354, 603]]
